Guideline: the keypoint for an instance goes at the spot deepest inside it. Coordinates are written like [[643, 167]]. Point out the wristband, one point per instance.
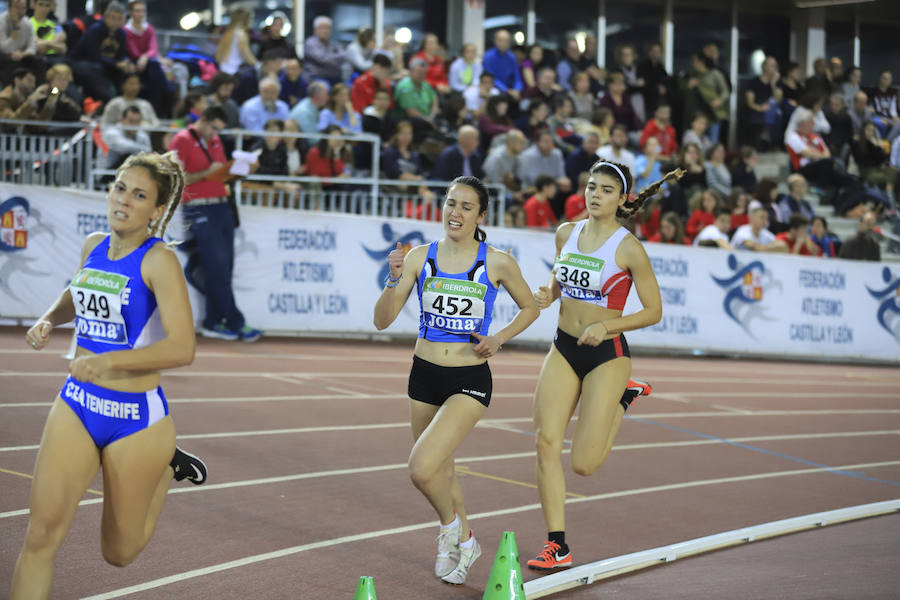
[[391, 282]]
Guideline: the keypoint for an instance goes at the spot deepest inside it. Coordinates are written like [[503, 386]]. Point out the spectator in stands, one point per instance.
[[115, 108], [656, 80], [743, 174], [190, 109], [534, 120], [546, 89], [711, 55], [886, 103], [272, 40], [339, 111], [141, 44], [70, 101], [619, 102], [125, 138], [738, 202], [393, 49], [660, 127], [534, 60], [864, 245], [538, 212], [378, 77], [626, 62], [461, 158], [234, 46], [306, 112], [583, 158], [691, 160], [602, 122], [671, 230], [797, 239], [361, 51], [453, 116], [248, 79], [100, 60], [256, 111], [293, 84], [436, 73], [323, 57], [542, 158], [860, 112], [697, 134], [50, 39], [836, 71], [872, 156], [295, 149], [21, 101], [466, 70], [17, 43], [792, 89], [585, 102], [576, 204], [273, 156], [648, 165], [220, 88], [703, 205], [763, 102], [329, 157], [376, 117], [767, 197], [811, 158], [494, 121], [713, 91], [477, 97], [615, 151], [841, 134], [716, 235], [398, 159], [718, 177], [755, 236], [502, 163], [502, 64], [815, 105], [415, 99], [819, 83], [569, 64], [561, 126], [828, 243], [211, 222], [851, 86], [794, 201]]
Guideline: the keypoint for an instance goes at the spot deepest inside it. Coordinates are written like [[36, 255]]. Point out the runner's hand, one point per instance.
[[487, 345], [543, 297], [89, 368], [39, 334], [395, 261], [593, 335]]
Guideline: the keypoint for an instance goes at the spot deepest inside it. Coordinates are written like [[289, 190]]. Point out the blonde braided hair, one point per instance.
[[167, 172]]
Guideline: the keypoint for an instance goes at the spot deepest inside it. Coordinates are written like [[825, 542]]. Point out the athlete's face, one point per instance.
[[462, 212], [604, 195], [132, 201]]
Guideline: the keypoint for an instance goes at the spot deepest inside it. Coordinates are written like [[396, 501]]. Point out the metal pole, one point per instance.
[[530, 19], [601, 33], [733, 74], [378, 24], [217, 10], [299, 26], [857, 58], [669, 36]]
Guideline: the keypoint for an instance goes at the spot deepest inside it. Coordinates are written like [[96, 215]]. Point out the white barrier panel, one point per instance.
[[322, 272]]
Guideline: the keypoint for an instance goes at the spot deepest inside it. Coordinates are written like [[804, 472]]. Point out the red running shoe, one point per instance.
[[549, 558]]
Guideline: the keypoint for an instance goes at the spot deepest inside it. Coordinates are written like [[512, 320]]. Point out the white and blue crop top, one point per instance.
[[455, 305], [114, 309], [594, 278]]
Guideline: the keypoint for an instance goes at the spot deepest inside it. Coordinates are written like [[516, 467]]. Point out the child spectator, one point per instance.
[[704, 204], [797, 239], [537, 208], [671, 230]]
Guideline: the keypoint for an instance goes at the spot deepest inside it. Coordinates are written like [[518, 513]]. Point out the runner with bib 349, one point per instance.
[[457, 280]]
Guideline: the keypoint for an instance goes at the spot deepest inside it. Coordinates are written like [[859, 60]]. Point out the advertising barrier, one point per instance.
[[313, 272]]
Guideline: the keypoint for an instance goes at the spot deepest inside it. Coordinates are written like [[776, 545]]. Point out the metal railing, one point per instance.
[[66, 155]]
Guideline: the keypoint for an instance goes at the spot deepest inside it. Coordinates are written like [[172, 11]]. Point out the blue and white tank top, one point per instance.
[[594, 278], [114, 309], [452, 306]]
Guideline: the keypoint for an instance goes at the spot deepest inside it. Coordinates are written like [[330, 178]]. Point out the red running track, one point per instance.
[[307, 444]]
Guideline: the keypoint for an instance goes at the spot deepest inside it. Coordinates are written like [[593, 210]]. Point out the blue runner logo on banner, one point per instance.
[[746, 288], [889, 310], [407, 240]]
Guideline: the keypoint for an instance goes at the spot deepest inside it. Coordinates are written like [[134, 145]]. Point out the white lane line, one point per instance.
[[403, 374], [284, 378], [258, 558]]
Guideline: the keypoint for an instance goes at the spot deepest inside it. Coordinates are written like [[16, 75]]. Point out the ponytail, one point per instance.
[[634, 204]]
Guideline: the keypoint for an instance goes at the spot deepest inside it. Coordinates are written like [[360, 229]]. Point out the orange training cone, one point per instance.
[[505, 582]]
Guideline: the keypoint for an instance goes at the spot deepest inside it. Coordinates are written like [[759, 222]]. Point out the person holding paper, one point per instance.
[[211, 220]]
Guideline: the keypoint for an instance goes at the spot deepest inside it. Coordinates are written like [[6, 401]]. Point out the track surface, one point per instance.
[[307, 443]]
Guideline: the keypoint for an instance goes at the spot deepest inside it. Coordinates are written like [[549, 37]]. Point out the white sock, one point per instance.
[[469, 542], [452, 524]]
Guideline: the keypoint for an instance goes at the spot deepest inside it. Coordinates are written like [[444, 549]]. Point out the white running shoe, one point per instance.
[[448, 549], [467, 556]]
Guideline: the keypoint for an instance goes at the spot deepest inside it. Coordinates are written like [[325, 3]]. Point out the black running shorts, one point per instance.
[[433, 384]]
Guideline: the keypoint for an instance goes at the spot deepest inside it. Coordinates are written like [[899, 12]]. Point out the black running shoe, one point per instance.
[[187, 466]]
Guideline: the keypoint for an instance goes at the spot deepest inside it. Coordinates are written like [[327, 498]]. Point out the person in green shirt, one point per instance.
[[50, 39], [415, 100]]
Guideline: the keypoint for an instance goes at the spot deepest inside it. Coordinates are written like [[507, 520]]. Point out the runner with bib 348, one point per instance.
[[457, 279]]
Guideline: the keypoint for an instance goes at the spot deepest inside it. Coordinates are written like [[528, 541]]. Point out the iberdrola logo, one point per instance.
[[436, 284]]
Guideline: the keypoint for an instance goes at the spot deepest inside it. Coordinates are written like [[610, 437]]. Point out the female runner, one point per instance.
[[597, 260], [132, 319], [457, 279]]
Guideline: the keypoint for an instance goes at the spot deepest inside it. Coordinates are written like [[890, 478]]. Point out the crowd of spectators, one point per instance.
[[531, 118]]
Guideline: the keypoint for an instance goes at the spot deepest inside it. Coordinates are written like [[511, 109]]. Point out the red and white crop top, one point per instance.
[[594, 278]]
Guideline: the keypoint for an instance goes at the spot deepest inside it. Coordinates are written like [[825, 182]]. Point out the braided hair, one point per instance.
[[168, 174], [620, 173]]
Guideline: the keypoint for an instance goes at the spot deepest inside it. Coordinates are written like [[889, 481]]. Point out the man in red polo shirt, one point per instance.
[[378, 77], [210, 218]]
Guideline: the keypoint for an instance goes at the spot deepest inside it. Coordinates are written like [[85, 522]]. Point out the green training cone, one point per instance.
[[505, 582], [365, 589]]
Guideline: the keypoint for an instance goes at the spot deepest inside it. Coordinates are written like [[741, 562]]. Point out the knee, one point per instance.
[[43, 534], [420, 473], [587, 465], [119, 554], [547, 448]]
